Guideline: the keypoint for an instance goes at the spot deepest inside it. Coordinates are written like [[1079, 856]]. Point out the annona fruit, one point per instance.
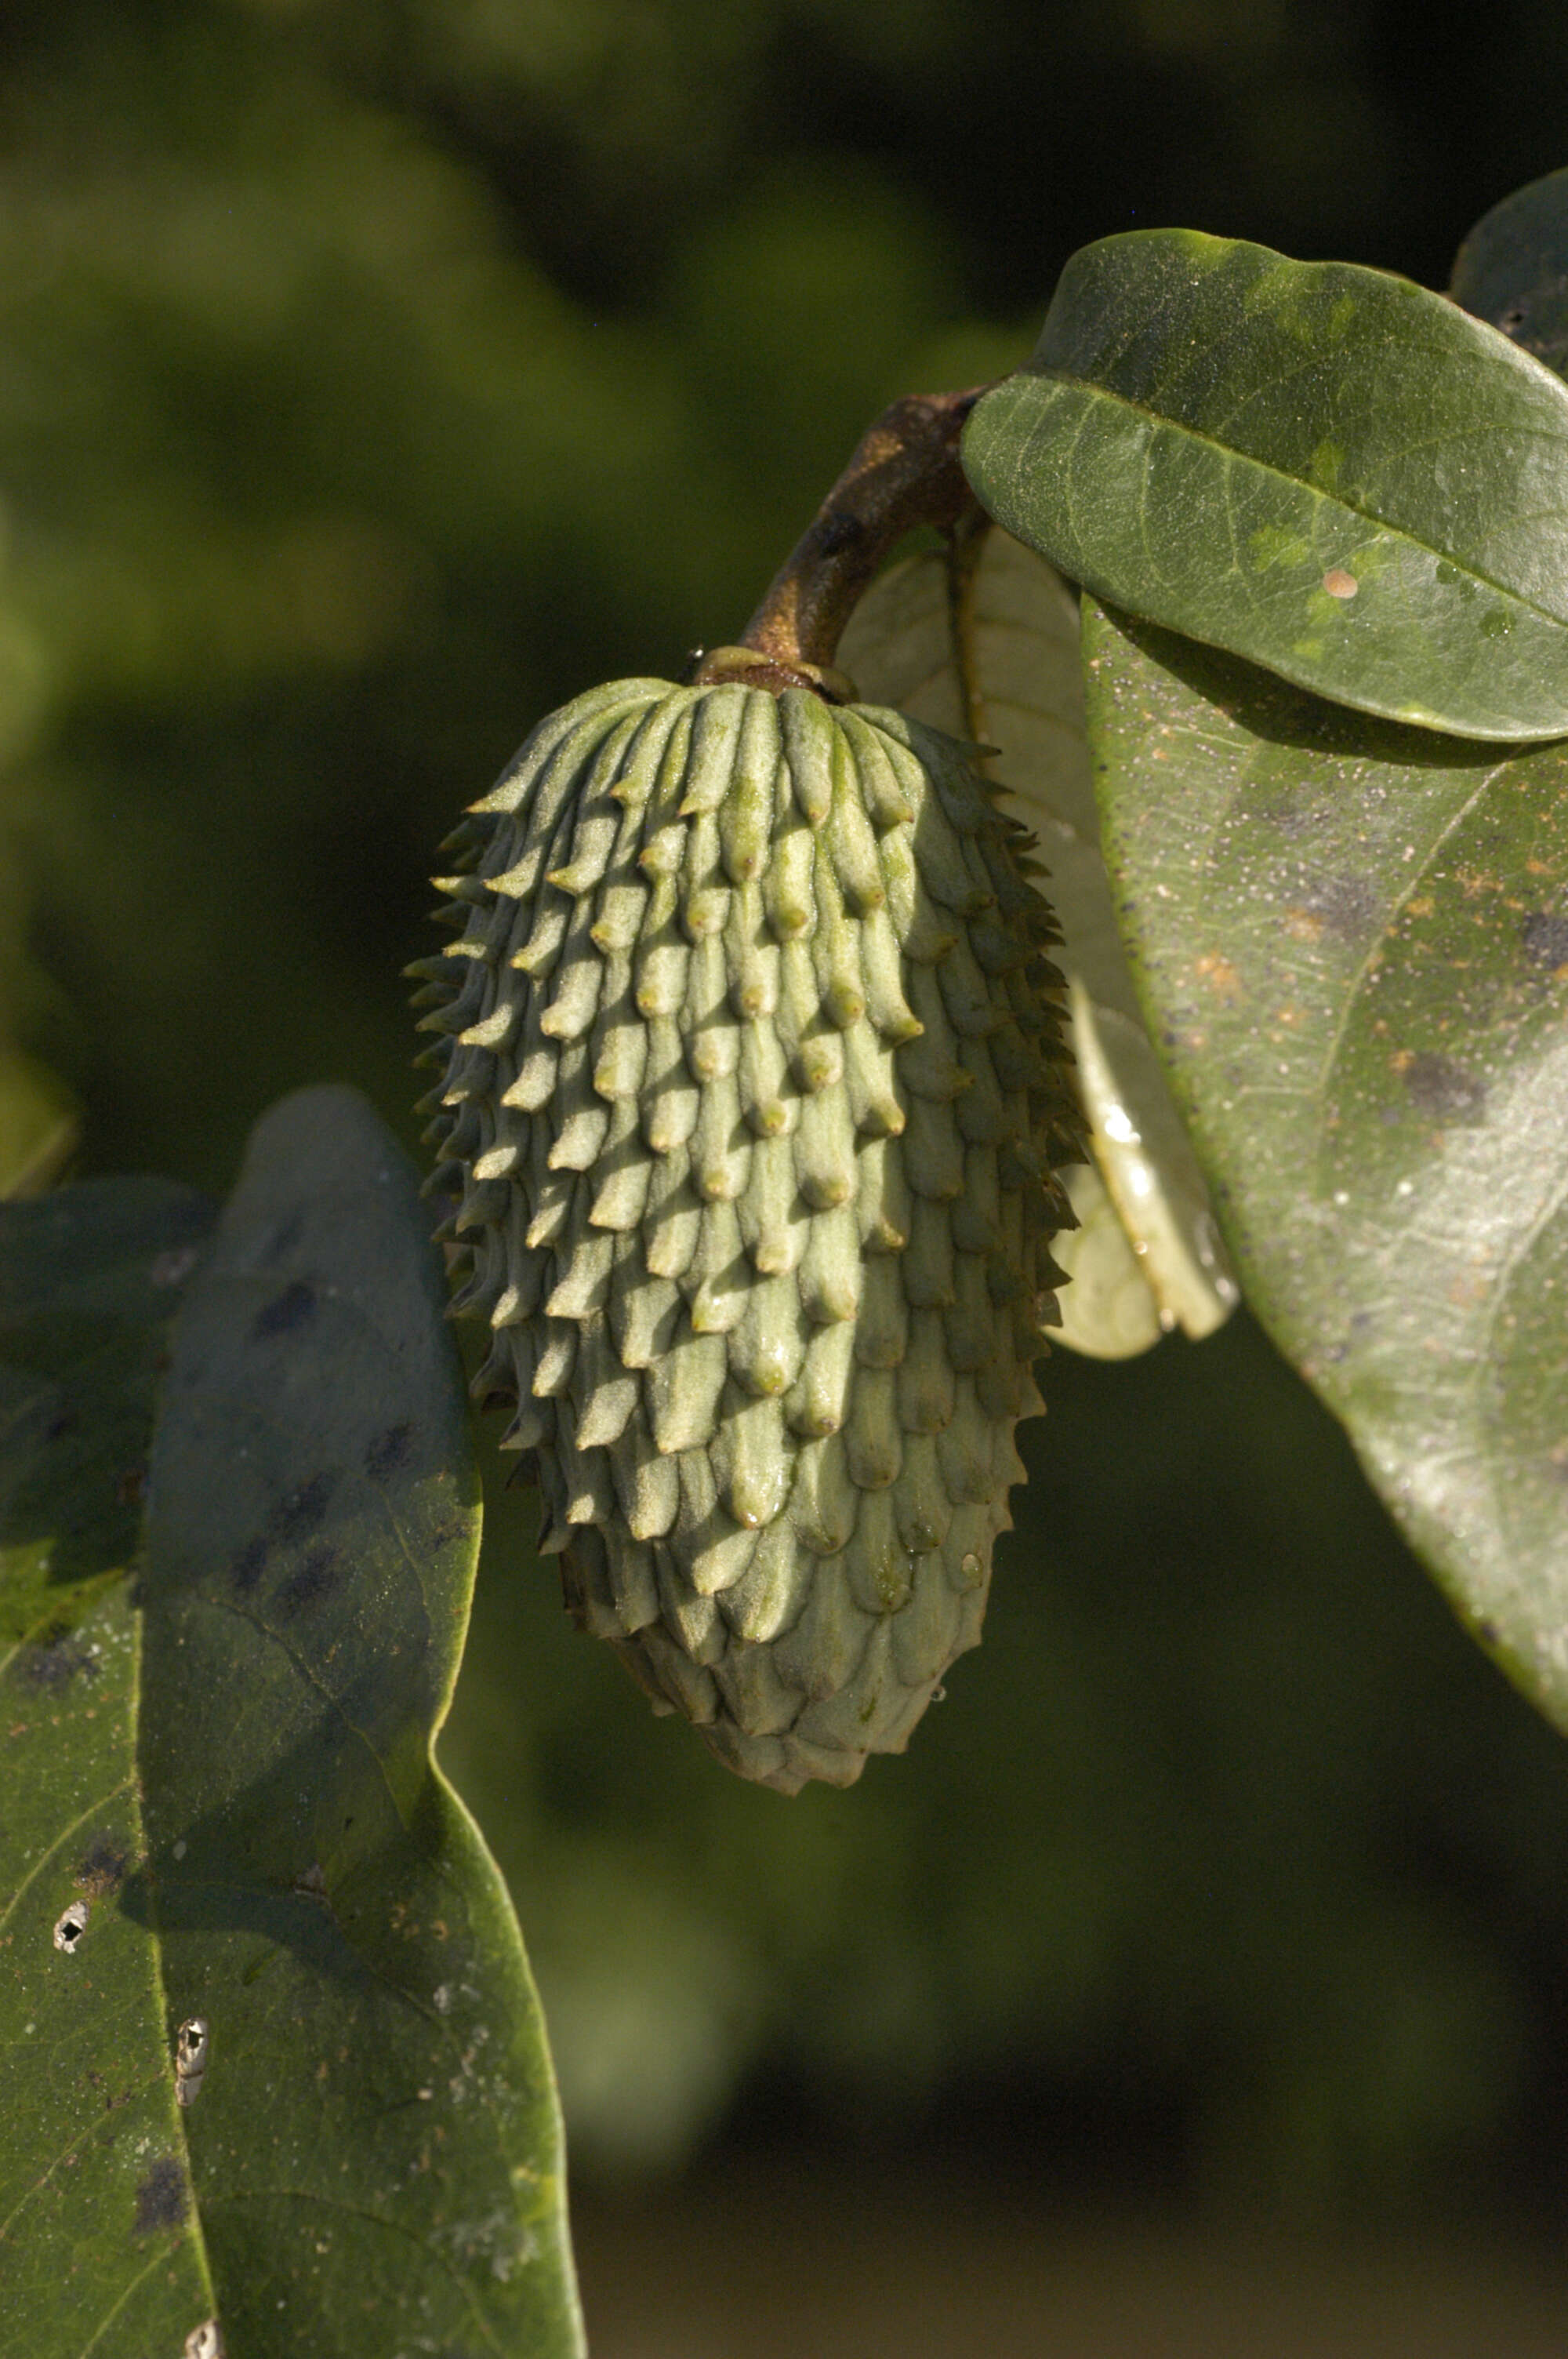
[[753, 1099]]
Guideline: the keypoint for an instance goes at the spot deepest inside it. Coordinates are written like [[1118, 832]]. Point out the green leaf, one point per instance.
[[97, 2243], [1322, 468], [981, 639], [1512, 269], [229, 1784], [376, 2149], [1352, 945]]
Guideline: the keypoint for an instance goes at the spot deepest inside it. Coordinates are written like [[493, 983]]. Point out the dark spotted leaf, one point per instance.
[[1326, 468], [375, 2152], [269, 2051], [1512, 269], [98, 2245], [1352, 945]]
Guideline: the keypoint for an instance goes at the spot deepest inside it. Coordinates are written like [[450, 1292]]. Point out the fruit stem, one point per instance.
[[905, 472]]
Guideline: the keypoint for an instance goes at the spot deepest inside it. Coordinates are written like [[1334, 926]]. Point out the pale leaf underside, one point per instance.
[[985, 645]]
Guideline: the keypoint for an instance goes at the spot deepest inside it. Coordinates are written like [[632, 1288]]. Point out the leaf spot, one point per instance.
[[286, 1311], [102, 1868], [1545, 940], [55, 1666], [390, 1451], [297, 1517], [161, 2198], [245, 1566], [1444, 1088], [315, 1577], [1347, 906], [69, 1926], [1220, 976], [190, 2059]]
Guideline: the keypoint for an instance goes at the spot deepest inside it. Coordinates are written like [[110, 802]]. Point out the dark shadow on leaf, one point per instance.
[[90, 1279], [1270, 708]]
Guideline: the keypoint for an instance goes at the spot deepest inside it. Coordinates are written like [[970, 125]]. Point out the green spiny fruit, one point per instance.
[[754, 1096]]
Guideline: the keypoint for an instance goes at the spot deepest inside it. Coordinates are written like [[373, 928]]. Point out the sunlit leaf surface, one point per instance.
[[1323, 468], [1352, 945]]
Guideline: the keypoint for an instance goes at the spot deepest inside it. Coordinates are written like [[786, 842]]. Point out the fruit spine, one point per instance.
[[753, 1099]]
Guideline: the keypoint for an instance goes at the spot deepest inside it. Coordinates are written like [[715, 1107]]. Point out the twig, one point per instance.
[[905, 472]]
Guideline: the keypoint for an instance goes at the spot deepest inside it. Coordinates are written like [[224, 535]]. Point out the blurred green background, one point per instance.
[[373, 378]]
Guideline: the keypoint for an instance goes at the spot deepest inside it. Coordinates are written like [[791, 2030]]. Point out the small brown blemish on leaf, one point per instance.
[[1220, 976], [1340, 584], [102, 1868], [131, 1487], [161, 2198]]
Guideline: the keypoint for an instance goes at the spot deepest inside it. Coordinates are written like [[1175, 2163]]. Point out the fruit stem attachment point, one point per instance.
[[905, 472]]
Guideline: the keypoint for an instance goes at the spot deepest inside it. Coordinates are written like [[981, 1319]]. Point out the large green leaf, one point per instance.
[[98, 2247], [231, 1778], [1322, 468], [1512, 269], [1352, 944], [376, 2152], [981, 639]]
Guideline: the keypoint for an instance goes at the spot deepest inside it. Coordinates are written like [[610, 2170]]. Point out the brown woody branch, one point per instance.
[[905, 472]]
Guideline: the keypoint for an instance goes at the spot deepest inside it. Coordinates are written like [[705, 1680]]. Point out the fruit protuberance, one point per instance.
[[753, 1095]]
